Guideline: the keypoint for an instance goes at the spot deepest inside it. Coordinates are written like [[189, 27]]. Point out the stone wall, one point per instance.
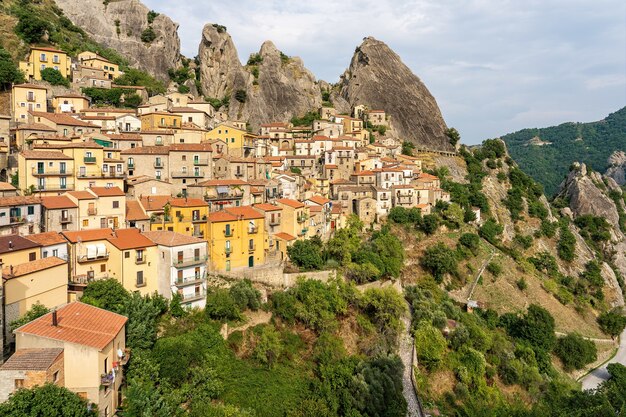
[[274, 276]]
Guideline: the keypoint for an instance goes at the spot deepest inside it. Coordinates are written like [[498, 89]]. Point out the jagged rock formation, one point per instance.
[[284, 87], [617, 167], [119, 25], [379, 79]]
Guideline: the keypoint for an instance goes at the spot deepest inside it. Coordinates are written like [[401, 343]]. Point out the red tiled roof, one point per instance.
[[78, 323], [15, 271], [318, 199], [28, 154], [17, 243], [129, 239], [284, 236], [29, 85], [267, 207], [291, 203], [107, 191], [221, 216], [167, 238], [209, 183], [188, 202], [47, 238], [245, 212], [82, 195], [62, 119], [36, 126], [19, 200], [87, 235], [189, 147], [36, 359], [134, 211]]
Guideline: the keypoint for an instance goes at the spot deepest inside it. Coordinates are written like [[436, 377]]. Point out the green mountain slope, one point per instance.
[[547, 153]]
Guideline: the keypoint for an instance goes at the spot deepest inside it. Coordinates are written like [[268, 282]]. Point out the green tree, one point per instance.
[[108, 294], [470, 241], [408, 148], [612, 322], [30, 27], [384, 307], [48, 400], [305, 254], [9, 72], [148, 35], [36, 311], [268, 348], [490, 231], [536, 327], [245, 295], [453, 136], [54, 77], [439, 260], [566, 247], [220, 305], [575, 352], [429, 344], [429, 224]]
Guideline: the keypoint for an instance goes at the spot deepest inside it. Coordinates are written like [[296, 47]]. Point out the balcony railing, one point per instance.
[[92, 211], [199, 219], [274, 222], [131, 165], [86, 258], [85, 279], [89, 159], [187, 174], [384, 197], [48, 173], [106, 380], [192, 261], [228, 251], [158, 164], [252, 230], [66, 219], [251, 248], [200, 162], [302, 218], [54, 187], [199, 233], [140, 261], [194, 297], [238, 174], [228, 233], [195, 279], [17, 219]]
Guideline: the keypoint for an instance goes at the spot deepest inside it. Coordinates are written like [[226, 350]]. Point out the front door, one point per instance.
[[251, 261]]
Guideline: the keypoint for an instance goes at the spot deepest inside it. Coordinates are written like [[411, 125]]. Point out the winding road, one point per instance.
[[599, 375]]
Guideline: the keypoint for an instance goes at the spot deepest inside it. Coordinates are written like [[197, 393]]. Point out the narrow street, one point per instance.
[[405, 352], [601, 374]]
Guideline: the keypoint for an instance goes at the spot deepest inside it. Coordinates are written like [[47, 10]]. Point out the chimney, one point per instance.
[[10, 244], [55, 320]]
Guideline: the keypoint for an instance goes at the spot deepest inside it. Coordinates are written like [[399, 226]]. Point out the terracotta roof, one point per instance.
[[425, 176], [17, 243], [29, 85], [284, 236], [19, 200], [209, 183], [62, 119], [97, 118], [125, 136], [154, 202], [185, 110], [88, 144], [318, 199], [129, 239], [221, 216], [291, 203], [188, 202], [245, 212], [147, 150], [275, 124], [107, 110], [14, 271], [35, 126], [5, 186], [28, 154], [315, 209], [78, 323], [87, 235], [187, 147], [47, 238], [167, 238], [46, 48], [267, 207], [82, 195], [32, 359], [70, 95], [134, 211], [107, 191], [57, 202]]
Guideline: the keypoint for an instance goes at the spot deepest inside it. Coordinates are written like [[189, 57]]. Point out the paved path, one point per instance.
[[480, 273], [406, 354], [599, 375]]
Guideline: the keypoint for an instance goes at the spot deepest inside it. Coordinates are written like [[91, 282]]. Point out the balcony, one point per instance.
[[66, 219], [89, 159], [113, 174], [303, 231], [201, 162], [108, 379], [384, 197], [188, 174], [130, 165], [158, 164], [199, 219], [251, 248], [140, 260], [344, 196], [92, 211], [192, 280], [84, 280], [40, 173], [192, 261], [125, 357], [188, 298], [252, 230], [274, 222], [199, 234], [86, 258], [31, 98], [17, 220], [228, 251], [238, 174], [302, 218], [228, 233]]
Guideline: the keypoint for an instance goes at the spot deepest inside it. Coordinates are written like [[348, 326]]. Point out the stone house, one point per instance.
[[29, 368], [59, 213]]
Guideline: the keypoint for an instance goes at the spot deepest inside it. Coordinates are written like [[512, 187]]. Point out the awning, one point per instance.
[[221, 189], [101, 249]]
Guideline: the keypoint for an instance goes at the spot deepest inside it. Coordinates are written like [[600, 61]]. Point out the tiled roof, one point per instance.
[[147, 150], [62, 119], [125, 136], [82, 195], [209, 183], [318, 199], [14, 271], [185, 110], [291, 203], [245, 212], [28, 154], [154, 202], [267, 207], [188, 202], [19, 200], [107, 191], [78, 323], [107, 110], [428, 177], [17, 243], [134, 211], [87, 235], [129, 239], [167, 238], [189, 147], [221, 216], [284, 236], [5, 186], [32, 359], [28, 85], [47, 238]]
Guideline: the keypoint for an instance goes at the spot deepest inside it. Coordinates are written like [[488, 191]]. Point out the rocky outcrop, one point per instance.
[[617, 167], [379, 79], [282, 88], [119, 25]]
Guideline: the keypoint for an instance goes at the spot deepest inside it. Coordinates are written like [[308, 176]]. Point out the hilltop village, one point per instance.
[[161, 198]]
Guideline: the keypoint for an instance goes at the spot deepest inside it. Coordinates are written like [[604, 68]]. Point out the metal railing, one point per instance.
[[191, 261], [89, 159]]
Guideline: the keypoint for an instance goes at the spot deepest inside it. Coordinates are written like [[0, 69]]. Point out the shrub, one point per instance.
[[439, 260], [612, 322], [54, 77], [408, 148], [306, 120], [220, 305], [36, 311], [575, 352], [430, 345], [470, 241], [31, 27], [494, 268], [245, 295], [151, 16], [490, 231], [548, 229], [48, 400], [521, 284], [525, 241], [255, 59], [305, 254], [566, 247], [148, 35], [241, 96], [9, 71], [429, 224]]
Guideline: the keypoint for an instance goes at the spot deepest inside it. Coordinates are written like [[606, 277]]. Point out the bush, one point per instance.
[[151, 16], [241, 96], [306, 120], [36, 311], [48, 400], [54, 77], [612, 322], [9, 71], [220, 305], [521, 284], [305, 254], [429, 224], [494, 268], [490, 231], [439, 260], [408, 148], [148, 35], [430, 345], [245, 295], [575, 352], [137, 77], [566, 247], [470, 241], [548, 229], [30, 27]]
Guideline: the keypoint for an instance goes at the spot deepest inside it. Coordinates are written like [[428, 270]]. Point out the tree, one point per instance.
[[220, 305], [9, 72], [566, 247], [429, 224], [453, 136], [108, 294], [612, 322], [575, 352], [384, 307], [383, 396], [470, 241], [408, 148], [439, 260], [490, 231], [305, 254], [148, 35], [241, 96], [30, 27], [454, 214], [48, 400], [245, 295], [536, 327], [54, 77], [36, 311], [269, 347], [429, 344]]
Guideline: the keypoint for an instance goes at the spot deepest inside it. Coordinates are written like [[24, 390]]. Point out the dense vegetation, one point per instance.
[[591, 143], [48, 400]]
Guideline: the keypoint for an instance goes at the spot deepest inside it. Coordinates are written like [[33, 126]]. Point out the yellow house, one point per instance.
[[41, 58], [48, 172], [294, 218], [93, 60], [26, 98], [133, 261], [238, 141], [94, 165], [69, 103], [187, 216], [94, 347], [160, 121], [237, 239], [16, 250], [88, 255], [100, 207], [42, 281]]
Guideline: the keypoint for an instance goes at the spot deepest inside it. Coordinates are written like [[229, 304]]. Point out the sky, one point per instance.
[[494, 67]]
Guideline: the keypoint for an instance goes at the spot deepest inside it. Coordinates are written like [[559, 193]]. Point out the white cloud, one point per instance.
[[494, 66]]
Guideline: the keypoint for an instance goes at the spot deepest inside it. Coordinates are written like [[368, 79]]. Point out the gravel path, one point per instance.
[[599, 375], [406, 354]]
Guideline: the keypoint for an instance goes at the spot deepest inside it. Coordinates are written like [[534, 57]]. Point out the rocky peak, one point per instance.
[[268, 48], [378, 78], [617, 167], [119, 25]]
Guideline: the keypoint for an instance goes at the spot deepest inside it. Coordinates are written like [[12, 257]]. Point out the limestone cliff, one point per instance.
[[617, 167], [276, 88], [379, 79], [119, 24]]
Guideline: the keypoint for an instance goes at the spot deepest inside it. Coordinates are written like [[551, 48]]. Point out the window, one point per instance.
[[43, 58], [127, 254], [31, 210], [43, 67], [184, 157], [55, 252], [116, 204], [55, 376], [140, 255], [19, 383], [86, 223], [45, 254], [55, 59], [140, 281], [32, 256]]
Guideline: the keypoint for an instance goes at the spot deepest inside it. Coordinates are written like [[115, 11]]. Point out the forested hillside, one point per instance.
[[547, 153]]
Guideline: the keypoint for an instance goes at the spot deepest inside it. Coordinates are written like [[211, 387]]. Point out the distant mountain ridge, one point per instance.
[[547, 153]]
